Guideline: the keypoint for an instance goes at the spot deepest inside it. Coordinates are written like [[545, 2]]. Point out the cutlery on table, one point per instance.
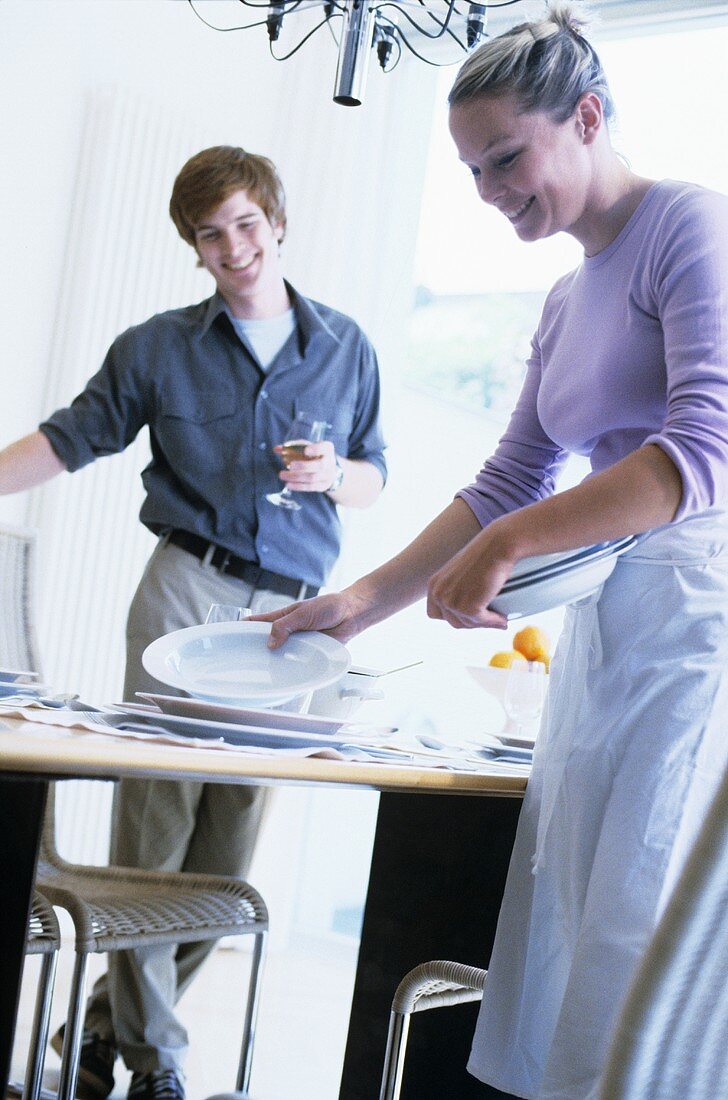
[[494, 752]]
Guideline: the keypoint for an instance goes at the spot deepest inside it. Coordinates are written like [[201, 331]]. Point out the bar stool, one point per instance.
[[119, 908]]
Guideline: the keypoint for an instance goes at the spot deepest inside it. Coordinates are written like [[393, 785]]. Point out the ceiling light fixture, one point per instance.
[[438, 32]]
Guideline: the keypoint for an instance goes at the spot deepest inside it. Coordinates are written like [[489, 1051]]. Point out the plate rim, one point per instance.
[[612, 549], [321, 740], [163, 645]]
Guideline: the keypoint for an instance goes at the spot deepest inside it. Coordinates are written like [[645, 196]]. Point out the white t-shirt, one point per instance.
[[265, 336]]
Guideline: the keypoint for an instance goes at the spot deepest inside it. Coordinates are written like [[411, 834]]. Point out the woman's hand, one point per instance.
[[462, 589], [315, 473], [341, 615]]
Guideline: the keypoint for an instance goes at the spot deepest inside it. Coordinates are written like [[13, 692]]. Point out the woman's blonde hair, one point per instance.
[[548, 64]]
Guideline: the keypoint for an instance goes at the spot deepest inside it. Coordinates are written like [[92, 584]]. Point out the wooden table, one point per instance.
[[435, 886]]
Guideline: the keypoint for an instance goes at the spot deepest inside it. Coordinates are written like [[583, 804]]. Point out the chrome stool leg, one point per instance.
[[74, 1030], [251, 1014], [41, 1020], [394, 1056]]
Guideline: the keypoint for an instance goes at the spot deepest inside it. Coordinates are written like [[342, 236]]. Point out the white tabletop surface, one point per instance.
[[30, 748]]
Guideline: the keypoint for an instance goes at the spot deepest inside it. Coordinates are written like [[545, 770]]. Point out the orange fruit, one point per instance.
[[533, 644], [505, 659]]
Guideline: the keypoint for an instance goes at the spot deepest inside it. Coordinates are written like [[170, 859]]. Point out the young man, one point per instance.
[[217, 384]]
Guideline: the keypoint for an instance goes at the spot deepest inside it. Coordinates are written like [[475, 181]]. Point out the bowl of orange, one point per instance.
[[529, 644]]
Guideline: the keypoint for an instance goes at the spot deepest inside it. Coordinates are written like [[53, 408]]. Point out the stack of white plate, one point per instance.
[[550, 580], [17, 684]]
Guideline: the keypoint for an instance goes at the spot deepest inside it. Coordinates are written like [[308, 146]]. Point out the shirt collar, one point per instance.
[[308, 318]]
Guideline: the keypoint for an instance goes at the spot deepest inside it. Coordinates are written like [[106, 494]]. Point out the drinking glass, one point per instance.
[[226, 613], [303, 429], [525, 692]]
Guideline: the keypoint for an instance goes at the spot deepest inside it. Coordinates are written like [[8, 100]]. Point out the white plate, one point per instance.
[[532, 596], [269, 719], [31, 691], [234, 734], [231, 663], [543, 565]]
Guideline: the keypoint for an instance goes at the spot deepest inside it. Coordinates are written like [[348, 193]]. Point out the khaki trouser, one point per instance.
[[163, 825]]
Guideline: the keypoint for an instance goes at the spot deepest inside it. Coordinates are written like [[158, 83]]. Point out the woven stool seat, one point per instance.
[[435, 984], [117, 908], [438, 984], [44, 935]]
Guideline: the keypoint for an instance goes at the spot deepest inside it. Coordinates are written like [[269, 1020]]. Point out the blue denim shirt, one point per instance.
[[214, 418]]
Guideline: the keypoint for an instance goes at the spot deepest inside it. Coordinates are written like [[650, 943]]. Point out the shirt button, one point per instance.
[[265, 548], [264, 394], [262, 446]]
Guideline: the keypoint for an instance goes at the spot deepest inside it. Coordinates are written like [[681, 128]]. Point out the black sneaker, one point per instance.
[[161, 1084], [95, 1067]]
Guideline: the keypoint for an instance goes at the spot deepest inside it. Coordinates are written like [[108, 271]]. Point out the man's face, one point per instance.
[[239, 247]]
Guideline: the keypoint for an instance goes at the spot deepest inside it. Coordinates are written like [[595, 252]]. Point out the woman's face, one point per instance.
[[536, 171]]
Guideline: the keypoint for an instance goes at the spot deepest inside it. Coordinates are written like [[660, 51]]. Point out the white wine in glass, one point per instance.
[[303, 429]]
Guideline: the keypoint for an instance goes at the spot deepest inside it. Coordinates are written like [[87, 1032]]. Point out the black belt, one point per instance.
[[249, 571]]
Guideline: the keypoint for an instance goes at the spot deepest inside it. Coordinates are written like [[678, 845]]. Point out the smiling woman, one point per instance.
[[627, 368]]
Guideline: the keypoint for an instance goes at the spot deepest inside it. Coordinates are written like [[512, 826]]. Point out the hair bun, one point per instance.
[[568, 15]]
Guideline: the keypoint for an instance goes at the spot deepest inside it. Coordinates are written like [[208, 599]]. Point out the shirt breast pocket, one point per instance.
[[339, 423], [199, 409], [199, 435]]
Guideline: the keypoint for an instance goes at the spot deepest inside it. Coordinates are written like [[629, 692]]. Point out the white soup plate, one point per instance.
[[231, 663]]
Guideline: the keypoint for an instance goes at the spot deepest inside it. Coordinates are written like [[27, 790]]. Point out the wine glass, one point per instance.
[[525, 691], [226, 613], [303, 429]]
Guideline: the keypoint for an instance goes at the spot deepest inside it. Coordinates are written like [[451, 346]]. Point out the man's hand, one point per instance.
[[27, 462], [314, 472]]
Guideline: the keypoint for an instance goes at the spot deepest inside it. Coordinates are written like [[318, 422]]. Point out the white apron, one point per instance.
[[631, 751]]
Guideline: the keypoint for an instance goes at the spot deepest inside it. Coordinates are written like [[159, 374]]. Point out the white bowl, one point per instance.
[[231, 663], [344, 697], [491, 678]]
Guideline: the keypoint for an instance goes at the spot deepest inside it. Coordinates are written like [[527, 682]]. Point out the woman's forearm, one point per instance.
[[28, 462], [403, 579], [639, 492]]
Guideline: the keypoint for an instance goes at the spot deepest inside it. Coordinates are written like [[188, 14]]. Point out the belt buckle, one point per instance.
[[222, 563]]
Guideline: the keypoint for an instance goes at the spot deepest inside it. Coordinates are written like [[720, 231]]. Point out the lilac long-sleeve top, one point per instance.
[[631, 349]]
